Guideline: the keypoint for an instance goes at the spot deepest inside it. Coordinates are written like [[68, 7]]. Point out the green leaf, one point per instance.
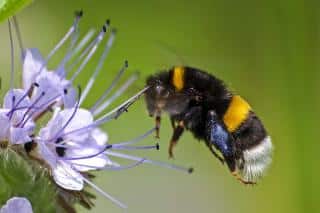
[[11, 7], [19, 178]]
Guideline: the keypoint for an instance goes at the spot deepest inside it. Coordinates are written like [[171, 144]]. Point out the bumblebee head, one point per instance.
[[158, 93], [159, 88], [162, 95]]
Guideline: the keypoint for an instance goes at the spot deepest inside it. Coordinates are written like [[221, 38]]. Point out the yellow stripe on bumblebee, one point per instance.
[[236, 113], [178, 78]]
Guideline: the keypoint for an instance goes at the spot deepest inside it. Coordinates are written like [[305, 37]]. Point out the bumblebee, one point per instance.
[[201, 103]]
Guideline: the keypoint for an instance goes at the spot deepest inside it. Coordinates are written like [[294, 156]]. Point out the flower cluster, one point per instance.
[[71, 143]]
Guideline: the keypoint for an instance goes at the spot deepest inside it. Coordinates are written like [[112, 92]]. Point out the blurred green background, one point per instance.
[[267, 51]]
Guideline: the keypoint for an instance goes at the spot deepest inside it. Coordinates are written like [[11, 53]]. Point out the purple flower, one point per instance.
[[16, 127], [39, 80], [17, 205], [71, 142], [60, 140]]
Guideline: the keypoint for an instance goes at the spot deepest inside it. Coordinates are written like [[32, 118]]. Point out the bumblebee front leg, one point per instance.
[[157, 115], [158, 123], [177, 132]]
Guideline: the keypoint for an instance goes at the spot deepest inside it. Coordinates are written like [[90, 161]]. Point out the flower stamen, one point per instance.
[[118, 146], [114, 114], [99, 66], [18, 33], [11, 57], [108, 90], [29, 109], [122, 147], [111, 198], [117, 94], [83, 42], [91, 52], [158, 163], [107, 24], [70, 119], [115, 168], [71, 30]]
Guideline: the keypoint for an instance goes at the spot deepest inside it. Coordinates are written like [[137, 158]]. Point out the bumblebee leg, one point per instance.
[[158, 122], [173, 123], [232, 167], [214, 153], [219, 137], [239, 178], [177, 132]]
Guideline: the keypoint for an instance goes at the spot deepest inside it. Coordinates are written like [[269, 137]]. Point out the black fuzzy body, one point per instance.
[[202, 94]]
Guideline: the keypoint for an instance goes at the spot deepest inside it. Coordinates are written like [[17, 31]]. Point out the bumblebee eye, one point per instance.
[[162, 91], [159, 89]]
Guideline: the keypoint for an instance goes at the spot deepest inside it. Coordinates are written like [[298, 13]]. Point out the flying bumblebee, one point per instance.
[[201, 103]]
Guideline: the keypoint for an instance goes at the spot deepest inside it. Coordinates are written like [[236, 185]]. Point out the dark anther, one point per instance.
[[109, 146], [104, 29], [190, 170], [36, 84], [29, 146], [65, 91], [79, 13], [61, 151], [157, 146], [108, 22], [59, 140], [126, 63]]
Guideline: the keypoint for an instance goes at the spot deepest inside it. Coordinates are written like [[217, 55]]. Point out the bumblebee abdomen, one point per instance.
[[252, 143]]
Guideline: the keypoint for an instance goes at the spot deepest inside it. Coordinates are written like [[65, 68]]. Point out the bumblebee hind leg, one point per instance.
[[218, 136], [233, 169], [239, 178], [214, 152]]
